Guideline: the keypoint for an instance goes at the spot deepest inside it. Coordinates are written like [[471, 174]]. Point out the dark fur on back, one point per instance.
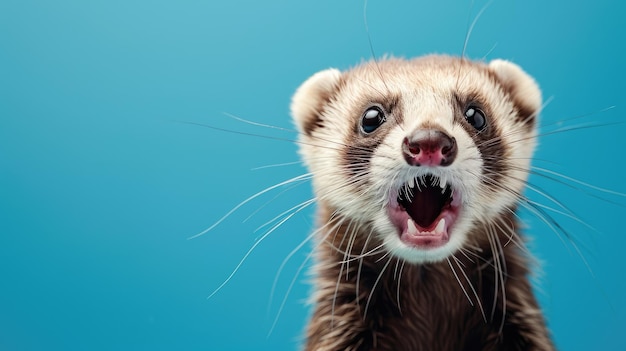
[[424, 307]]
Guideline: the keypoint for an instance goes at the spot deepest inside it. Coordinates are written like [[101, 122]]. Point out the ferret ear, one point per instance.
[[521, 87], [308, 101]]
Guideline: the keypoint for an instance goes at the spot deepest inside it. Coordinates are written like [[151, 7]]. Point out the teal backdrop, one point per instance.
[[105, 171]]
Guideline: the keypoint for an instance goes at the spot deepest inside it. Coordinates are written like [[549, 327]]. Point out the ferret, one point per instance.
[[418, 169]]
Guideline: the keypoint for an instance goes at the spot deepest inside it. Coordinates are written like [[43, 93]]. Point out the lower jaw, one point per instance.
[[424, 242], [424, 252], [423, 239]]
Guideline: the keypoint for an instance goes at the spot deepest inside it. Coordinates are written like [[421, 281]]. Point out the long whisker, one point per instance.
[[459, 281], [284, 301], [471, 27], [277, 165], [371, 294], [469, 282], [219, 221], [245, 257], [558, 229], [579, 182], [360, 269], [288, 257], [325, 145], [371, 45], [257, 124], [296, 208], [584, 115], [398, 286], [502, 272], [282, 192]]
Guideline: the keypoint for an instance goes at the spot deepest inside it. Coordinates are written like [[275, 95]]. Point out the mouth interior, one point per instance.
[[424, 200]]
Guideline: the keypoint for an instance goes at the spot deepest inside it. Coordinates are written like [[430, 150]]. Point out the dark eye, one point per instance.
[[475, 117], [373, 118]]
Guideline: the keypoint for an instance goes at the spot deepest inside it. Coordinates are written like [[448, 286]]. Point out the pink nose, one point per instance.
[[429, 147]]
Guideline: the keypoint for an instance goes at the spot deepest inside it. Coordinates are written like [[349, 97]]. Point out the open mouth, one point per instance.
[[424, 211]]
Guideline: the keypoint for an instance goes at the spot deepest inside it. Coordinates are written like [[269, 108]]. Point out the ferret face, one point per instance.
[[419, 153]]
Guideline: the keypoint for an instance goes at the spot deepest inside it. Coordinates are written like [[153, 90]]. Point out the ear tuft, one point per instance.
[[308, 102], [521, 87]]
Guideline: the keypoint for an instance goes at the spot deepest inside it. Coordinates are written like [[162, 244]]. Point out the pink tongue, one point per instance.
[[425, 206]]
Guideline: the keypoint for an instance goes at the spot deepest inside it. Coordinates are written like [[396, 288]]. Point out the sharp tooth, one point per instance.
[[441, 226], [412, 182], [442, 182], [410, 226]]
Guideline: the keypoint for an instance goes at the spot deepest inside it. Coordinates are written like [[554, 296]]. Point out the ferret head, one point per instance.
[[419, 152]]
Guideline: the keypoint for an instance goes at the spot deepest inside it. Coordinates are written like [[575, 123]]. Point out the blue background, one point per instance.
[[101, 182]]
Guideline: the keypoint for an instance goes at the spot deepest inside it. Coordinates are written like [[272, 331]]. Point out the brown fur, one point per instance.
[[423, 307]]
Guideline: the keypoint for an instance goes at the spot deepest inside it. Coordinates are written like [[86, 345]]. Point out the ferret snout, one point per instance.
[[429, 147]]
